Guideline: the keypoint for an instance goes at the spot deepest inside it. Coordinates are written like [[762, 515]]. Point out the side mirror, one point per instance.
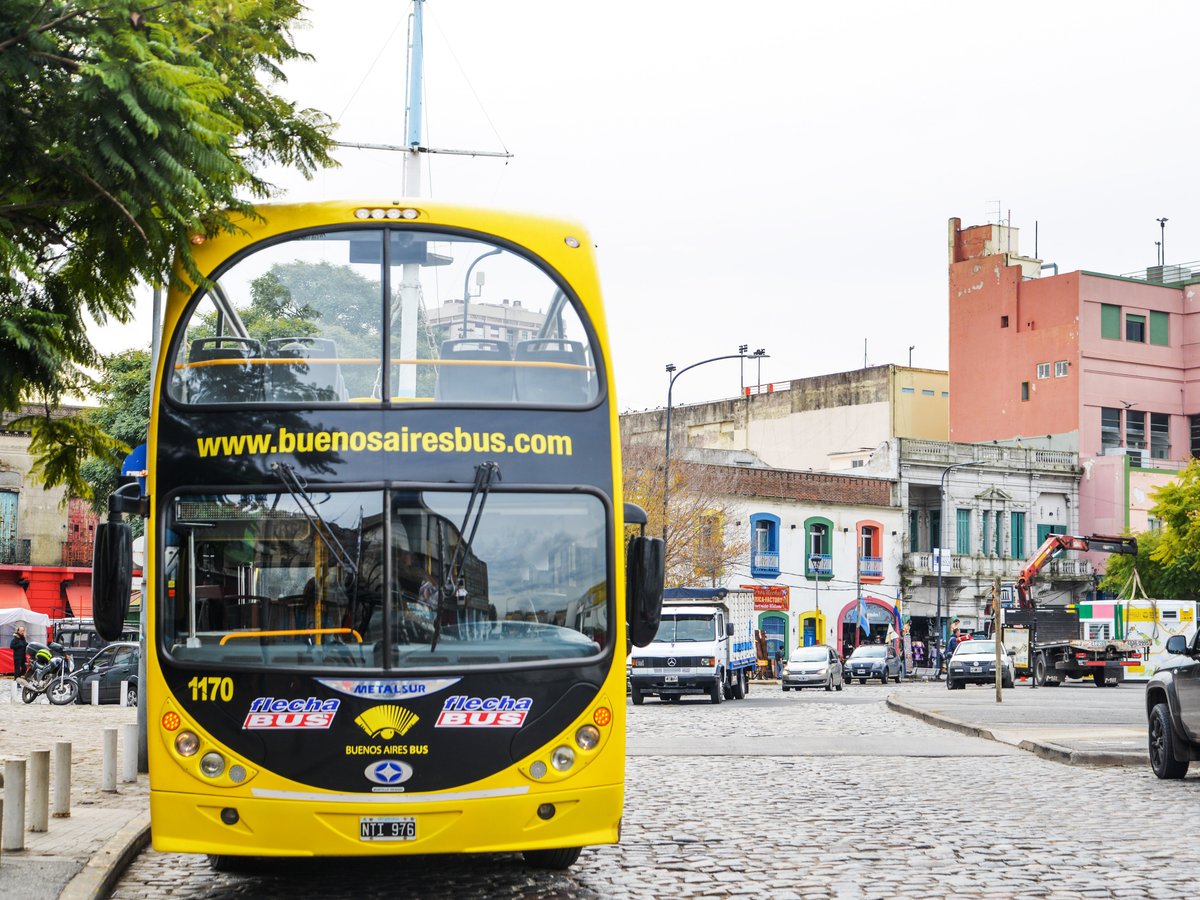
[[112, 578], [1177, 645], [729, 629], [645, 570]]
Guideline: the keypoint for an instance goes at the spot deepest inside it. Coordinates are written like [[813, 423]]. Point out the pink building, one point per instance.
[[1107, 366]]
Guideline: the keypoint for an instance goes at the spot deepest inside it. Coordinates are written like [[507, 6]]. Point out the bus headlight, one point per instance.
[[587, 737], [186, 743], [212, 764], [562, 758]]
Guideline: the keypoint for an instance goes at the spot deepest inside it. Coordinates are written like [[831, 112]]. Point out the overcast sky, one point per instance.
[[780, 174]]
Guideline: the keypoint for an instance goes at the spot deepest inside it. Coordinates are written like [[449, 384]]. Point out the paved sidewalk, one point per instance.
[[73, 858], [1078, 724]]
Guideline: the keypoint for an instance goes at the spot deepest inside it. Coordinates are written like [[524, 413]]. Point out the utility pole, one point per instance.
[[996, 638]]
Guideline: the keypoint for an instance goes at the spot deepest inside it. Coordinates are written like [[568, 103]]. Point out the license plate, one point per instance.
[[672, 679], [387, 828], [976, 669]]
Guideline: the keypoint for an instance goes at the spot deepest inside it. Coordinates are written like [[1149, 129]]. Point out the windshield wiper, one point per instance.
[[486, 474], [299, 491]]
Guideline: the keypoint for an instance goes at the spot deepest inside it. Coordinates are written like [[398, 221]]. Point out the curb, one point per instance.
[[1043, 749], [96, 879]]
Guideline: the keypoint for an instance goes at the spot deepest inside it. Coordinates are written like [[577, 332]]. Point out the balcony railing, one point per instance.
[[14, 553], [77, 554], [870, 566], [818, 564], [954, 566], [763, 563]]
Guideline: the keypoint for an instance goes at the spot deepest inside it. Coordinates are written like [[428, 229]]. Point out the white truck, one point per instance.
[[704, 645]]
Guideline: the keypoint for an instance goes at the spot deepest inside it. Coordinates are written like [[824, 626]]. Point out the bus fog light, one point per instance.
[[237, 774], [212, 764], [562, 758], [587, 737], [538, 769], [229, 815], [186, 743], [546, 811]]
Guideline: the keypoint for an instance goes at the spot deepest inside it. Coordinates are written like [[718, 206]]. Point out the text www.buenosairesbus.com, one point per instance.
[[402, 441]]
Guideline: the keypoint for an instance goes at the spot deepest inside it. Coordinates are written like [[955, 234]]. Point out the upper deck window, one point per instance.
[[362, 315]]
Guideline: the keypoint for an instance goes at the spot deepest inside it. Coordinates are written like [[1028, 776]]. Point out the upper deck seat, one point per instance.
[[548, 384], [316, 374], [217, 381], [488, 380]]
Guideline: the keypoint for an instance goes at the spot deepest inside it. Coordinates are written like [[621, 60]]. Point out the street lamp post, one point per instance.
[[1162, 246], [942, 527], [758, 354]]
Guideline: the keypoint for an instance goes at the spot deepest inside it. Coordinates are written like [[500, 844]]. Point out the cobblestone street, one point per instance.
[[810, 795]]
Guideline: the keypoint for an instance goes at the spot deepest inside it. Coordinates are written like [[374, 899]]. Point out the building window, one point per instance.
[[1062, 368], [1135, 329], [997, 546], [1110, 321], [1153, 523], [935, 529], [1160, 436], [987, 533], [774, 627], [1159, 324], [818, 561], [1135, 429], [1110, 428], [1004, 321], [925, 392], [870, 551], [764, 546], [857, 463], [914, 524], [1024, 390], [1017, 543], [945, 393], [1194, 421], [1043, 370], [962, 532], [905, 390], [1044, 530]]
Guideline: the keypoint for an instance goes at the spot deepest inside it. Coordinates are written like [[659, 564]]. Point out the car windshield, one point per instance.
[[385, 579], [675, 629], [876, 651], [810, 654], [975, 648]]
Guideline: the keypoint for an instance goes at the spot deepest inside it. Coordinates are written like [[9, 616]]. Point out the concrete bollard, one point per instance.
[[96, 693], [14, 805], [62, 780], [39, 790], [108, 762], [129, 753], [124, 693]]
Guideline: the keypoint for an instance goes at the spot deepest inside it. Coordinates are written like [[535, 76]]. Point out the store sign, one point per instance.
[[770, 596]]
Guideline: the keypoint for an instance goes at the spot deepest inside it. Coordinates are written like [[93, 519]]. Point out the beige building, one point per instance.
[[504, 321], [826, 423]]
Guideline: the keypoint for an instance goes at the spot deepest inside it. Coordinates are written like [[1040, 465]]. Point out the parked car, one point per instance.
[[109, 667], [80, 641], [875, 661], [974, 662], [815, 666], [1173, 708]]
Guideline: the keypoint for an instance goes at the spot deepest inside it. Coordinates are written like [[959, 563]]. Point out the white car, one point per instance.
[[975, 662]]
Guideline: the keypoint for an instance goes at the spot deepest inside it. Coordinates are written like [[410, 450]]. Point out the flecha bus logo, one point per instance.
[[484, 712], [305, 713]]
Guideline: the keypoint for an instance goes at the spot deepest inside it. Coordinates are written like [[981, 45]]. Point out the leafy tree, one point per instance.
[[1168, 561], [124, 129], [123, 414], [700, 548]]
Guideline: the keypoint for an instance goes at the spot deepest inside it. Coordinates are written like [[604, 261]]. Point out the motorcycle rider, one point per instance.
[[18, 645]]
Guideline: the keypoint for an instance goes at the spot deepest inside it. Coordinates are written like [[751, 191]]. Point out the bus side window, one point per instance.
[[476, 380]]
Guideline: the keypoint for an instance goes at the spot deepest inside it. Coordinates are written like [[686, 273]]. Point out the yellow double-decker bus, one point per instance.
[[390, 591]]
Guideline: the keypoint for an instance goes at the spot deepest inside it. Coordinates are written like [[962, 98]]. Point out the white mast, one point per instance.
[[410, 279]]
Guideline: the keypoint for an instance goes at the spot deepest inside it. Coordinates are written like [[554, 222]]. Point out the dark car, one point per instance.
[[80, 640], [874, 661], [1173, 709], [114, 664], [974, 662]]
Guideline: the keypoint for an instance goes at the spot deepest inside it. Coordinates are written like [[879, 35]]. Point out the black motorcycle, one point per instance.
[[50, 673]]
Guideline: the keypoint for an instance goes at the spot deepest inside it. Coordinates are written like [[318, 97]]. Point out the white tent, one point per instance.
[[36, 625]]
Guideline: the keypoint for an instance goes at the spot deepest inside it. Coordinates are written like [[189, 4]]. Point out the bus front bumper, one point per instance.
[[313, 826]]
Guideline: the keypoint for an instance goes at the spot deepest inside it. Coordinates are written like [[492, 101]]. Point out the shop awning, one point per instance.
[[80, 598], [12, 596]]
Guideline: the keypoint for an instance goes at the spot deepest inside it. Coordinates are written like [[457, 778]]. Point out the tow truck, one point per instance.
[[1062, 652]]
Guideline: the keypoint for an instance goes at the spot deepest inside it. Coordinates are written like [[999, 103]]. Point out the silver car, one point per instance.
[[875, 661], [815, 666]]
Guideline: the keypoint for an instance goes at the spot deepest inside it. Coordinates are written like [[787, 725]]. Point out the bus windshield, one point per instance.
[[385, 579], [357, 316]]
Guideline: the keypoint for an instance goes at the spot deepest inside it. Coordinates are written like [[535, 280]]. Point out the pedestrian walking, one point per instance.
[[18, 645], [779, 663]]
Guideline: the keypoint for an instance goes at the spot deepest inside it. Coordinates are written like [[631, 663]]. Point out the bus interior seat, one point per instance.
[[229, 382], [487, 383], [538, 384], [310, 377]]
